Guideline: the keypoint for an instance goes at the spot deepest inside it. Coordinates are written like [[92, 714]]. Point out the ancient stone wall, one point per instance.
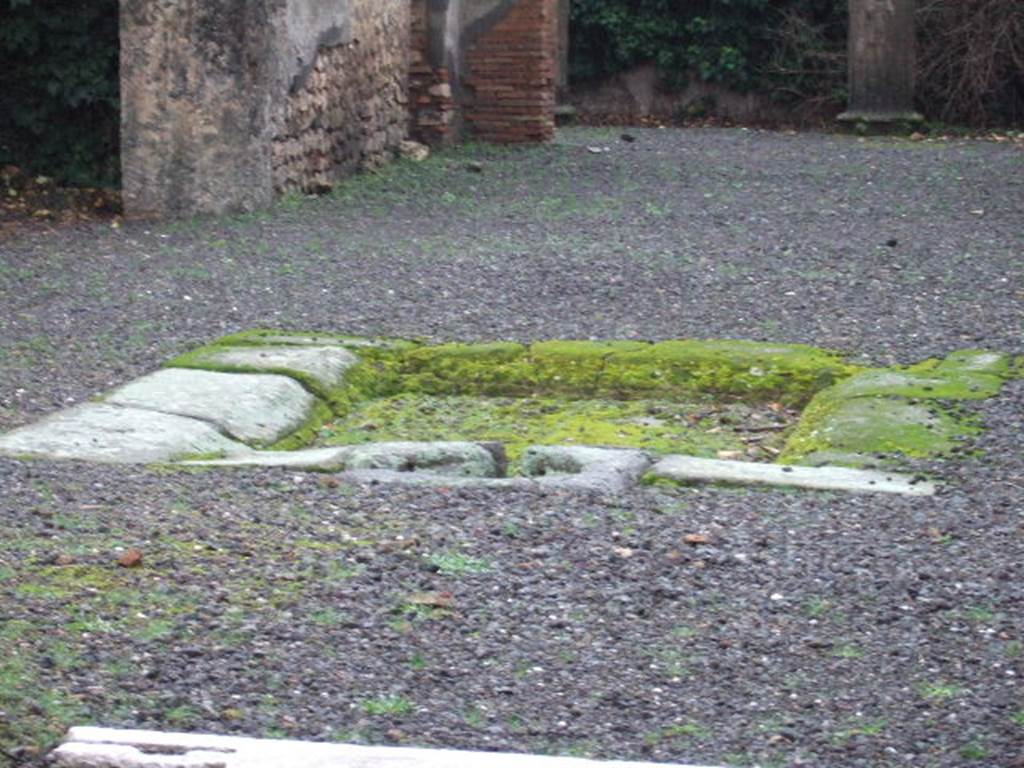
[[350, 111], [195, 90], [225, 104]]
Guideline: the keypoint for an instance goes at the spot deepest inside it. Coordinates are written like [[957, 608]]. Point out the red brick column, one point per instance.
[[509, 83]]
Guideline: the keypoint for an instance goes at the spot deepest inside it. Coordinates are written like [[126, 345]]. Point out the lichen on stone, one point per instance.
[[887, 413]]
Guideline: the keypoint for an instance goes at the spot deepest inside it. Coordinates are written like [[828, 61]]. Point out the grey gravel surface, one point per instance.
[[699, 625]]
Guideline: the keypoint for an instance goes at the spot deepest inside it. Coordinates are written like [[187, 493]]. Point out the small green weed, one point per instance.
[[817, 607], [474, 717], [154, 629], [939, 691], [349, 736], [328, 617], [974, 750], [872, 728], [388, 705], [677, 731], [181, 716], [981, 614], [672, 663], [848, 651], [418, 662]]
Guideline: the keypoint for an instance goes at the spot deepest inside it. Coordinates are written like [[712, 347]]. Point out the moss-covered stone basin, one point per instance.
[[739, 399]]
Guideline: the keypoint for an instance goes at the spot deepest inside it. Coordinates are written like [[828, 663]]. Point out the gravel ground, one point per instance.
[[810, 629]]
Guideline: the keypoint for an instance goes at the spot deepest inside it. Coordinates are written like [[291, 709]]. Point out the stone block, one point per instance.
[[112, 434], [257, 408], [692, 470], [325, 364]]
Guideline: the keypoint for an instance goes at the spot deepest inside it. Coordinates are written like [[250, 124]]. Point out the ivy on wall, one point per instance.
[[59, 111], [733, 42]]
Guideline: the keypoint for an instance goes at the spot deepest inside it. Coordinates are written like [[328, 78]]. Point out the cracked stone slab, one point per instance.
[[113, 434], [326, 365], [110, 748], [253, 407], [689, 469]]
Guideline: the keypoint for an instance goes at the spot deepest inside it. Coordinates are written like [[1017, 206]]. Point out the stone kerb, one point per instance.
[[105, 747]]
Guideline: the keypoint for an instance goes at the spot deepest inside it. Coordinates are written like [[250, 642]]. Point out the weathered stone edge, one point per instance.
[[686, 470], [88, 747]]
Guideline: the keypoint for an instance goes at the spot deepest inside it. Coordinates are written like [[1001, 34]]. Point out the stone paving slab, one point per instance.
[[450, 458], [427, 460], [689, 469], [314, 459], [108, 748], [114, 434], [326, 365], [258, 408], [604, 470]]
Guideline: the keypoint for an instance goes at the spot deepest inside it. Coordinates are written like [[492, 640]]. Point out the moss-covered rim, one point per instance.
[[852, 415]]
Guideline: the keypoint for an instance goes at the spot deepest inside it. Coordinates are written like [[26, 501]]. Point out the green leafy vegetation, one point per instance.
[[784, 46], [975, 750], [939, 691], [678, 731], [59, 89]]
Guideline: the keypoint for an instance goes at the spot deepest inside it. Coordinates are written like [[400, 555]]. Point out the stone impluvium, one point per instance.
[[598, 414]]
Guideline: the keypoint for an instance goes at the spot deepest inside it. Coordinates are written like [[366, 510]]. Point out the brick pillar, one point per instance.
[[508, 86]]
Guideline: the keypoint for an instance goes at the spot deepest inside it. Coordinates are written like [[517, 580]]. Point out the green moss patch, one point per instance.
[[625, 370], [753, 371], [882, 414], [699, 428], [932, 385], [861, 430]]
